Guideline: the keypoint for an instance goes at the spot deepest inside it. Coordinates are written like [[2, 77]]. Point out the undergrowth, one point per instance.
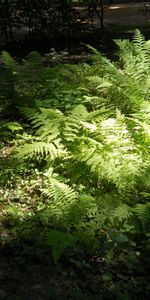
[[75, 184]]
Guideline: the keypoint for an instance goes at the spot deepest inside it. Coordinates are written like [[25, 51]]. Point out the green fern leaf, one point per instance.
[[39, 150], [59, 191], [9, 62], [121, 213], [59, 242], [143, 212]]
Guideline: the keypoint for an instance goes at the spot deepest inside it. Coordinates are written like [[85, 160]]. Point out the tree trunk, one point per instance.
[[102, 14]]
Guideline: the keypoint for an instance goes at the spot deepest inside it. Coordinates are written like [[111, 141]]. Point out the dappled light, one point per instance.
[[74, 156]]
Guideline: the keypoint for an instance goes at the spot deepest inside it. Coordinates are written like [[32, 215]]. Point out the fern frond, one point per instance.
[[100, 83], [12, 126], [59, 191], [40, 150], [72, 123], [138, 41], [29, 113], [99, 115], [71, 129], [59, 242], [79, 111], [48, 123], [45, 121], [142, 62], [135, 58], [110, 153], [143, 212], [121, 213], [125, 49], [9, 62]]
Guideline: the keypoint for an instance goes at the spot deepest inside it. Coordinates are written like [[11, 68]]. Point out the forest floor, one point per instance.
[[122, 15]]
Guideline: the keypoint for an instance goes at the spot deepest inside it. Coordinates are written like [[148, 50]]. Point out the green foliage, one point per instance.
[[8, 129], [9, 62], [143, 212], [58, 241], [76, 164]]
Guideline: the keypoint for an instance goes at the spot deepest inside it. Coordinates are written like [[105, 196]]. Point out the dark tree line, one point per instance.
[[46, 17]]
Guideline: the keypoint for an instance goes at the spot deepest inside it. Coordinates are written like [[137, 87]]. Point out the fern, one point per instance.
[[9, 129], [143, 212], [12, 126], [29, 113], [126, 84], [121, 213], [9, 62], [59, 242], [111, 151], [59, 191], [38, 150], [135, 57], [94, 156], [59, 197], [139, 43], [104, 146], [72, 124]]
